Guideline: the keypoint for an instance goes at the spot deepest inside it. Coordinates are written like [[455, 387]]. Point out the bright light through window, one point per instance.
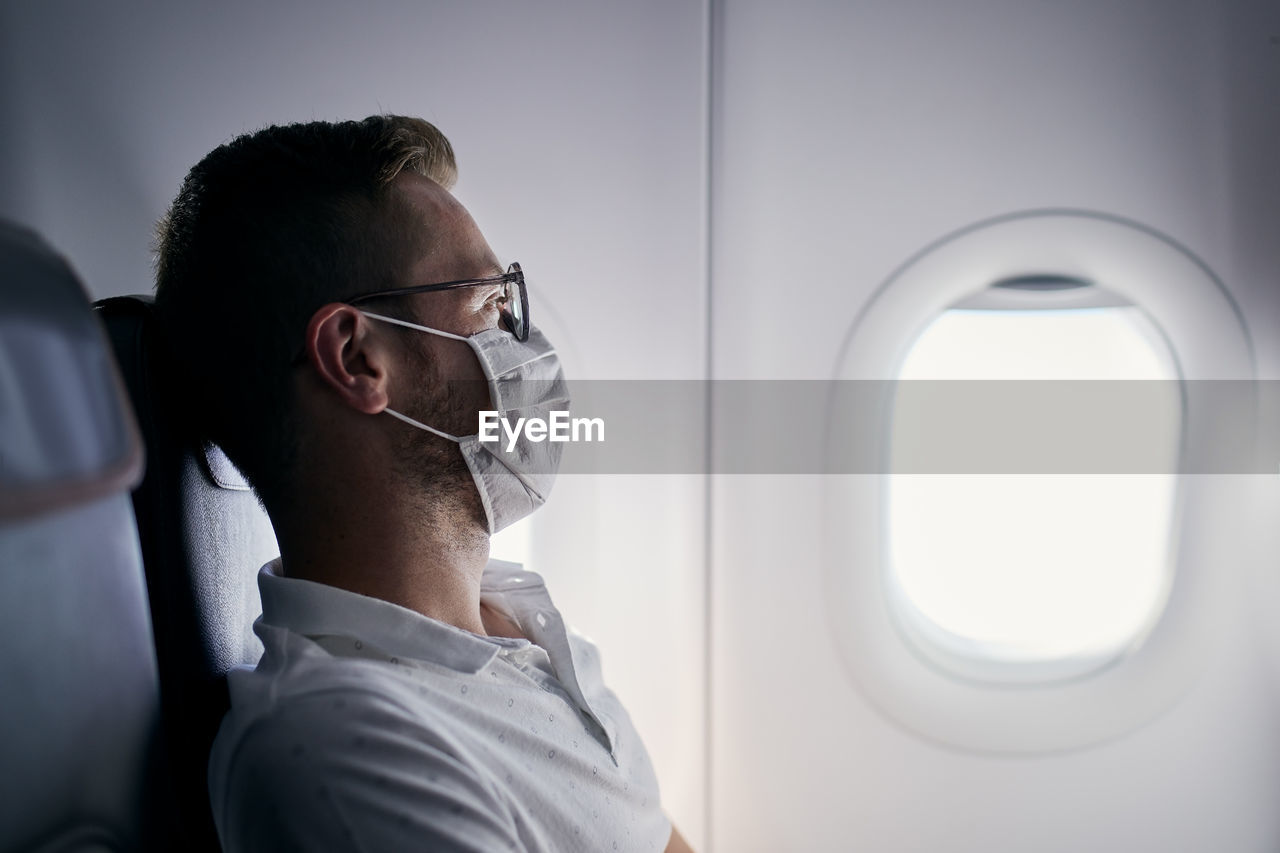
[[1057, 573], [512, 543]]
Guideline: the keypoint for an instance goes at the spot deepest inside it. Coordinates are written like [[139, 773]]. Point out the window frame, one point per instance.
[[1209, 339]]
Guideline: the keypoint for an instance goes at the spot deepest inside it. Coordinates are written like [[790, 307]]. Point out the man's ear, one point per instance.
[[349, 357]]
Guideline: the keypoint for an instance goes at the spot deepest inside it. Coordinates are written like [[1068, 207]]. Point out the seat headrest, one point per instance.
[[67, 436]]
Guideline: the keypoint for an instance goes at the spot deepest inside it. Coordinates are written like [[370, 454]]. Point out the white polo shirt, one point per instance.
[[369, 727]]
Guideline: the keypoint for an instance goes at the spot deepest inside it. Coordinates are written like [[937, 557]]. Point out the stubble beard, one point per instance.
[[433, 466]]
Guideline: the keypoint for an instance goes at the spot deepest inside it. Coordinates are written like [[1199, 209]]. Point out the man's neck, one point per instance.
[[427, 558]]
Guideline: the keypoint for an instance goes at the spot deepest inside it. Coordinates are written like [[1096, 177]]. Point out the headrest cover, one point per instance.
[[67, 433]]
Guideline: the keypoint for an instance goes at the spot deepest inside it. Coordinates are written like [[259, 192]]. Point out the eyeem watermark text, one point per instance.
[[559, 427]]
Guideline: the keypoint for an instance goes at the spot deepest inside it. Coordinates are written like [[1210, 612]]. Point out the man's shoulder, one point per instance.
[[305, 696], [333, 718], [299, 683], [348, 744]]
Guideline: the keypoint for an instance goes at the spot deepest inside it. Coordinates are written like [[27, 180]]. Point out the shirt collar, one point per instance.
[[315, 609]]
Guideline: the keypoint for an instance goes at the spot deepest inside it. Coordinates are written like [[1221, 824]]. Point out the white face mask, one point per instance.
[[525, 380]]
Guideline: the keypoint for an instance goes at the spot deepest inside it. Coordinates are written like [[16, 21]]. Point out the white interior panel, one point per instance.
[[849, 139]]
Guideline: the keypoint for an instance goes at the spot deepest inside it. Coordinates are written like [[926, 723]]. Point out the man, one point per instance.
[[345, 321]]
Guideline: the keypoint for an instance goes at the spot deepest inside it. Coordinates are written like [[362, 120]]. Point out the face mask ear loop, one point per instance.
[[420, 425], [484, 365], [395, 321]]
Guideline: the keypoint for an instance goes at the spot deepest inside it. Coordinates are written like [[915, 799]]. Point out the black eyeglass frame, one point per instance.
[[516, 325]]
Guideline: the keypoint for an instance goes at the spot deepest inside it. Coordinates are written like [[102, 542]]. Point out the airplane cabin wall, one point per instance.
[[848, 137]]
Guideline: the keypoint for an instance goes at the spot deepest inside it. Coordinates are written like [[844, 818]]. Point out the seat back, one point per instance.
[[80, 691], [204, 536]]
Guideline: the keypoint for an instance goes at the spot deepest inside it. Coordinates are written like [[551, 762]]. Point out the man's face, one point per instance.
[[451, 249], [440, 381]]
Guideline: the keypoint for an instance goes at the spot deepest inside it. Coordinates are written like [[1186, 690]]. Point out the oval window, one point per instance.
[[1032, 578]]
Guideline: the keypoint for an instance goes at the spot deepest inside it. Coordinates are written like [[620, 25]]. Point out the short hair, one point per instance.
[[265, 230]]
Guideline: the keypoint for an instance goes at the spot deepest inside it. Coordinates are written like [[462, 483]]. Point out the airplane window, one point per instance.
[[1033, 578]]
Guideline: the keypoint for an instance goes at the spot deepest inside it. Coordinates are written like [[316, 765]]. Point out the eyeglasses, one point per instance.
[[515, 298]]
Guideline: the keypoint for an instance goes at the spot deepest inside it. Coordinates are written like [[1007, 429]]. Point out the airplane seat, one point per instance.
[[78, 722], [204, 536]]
